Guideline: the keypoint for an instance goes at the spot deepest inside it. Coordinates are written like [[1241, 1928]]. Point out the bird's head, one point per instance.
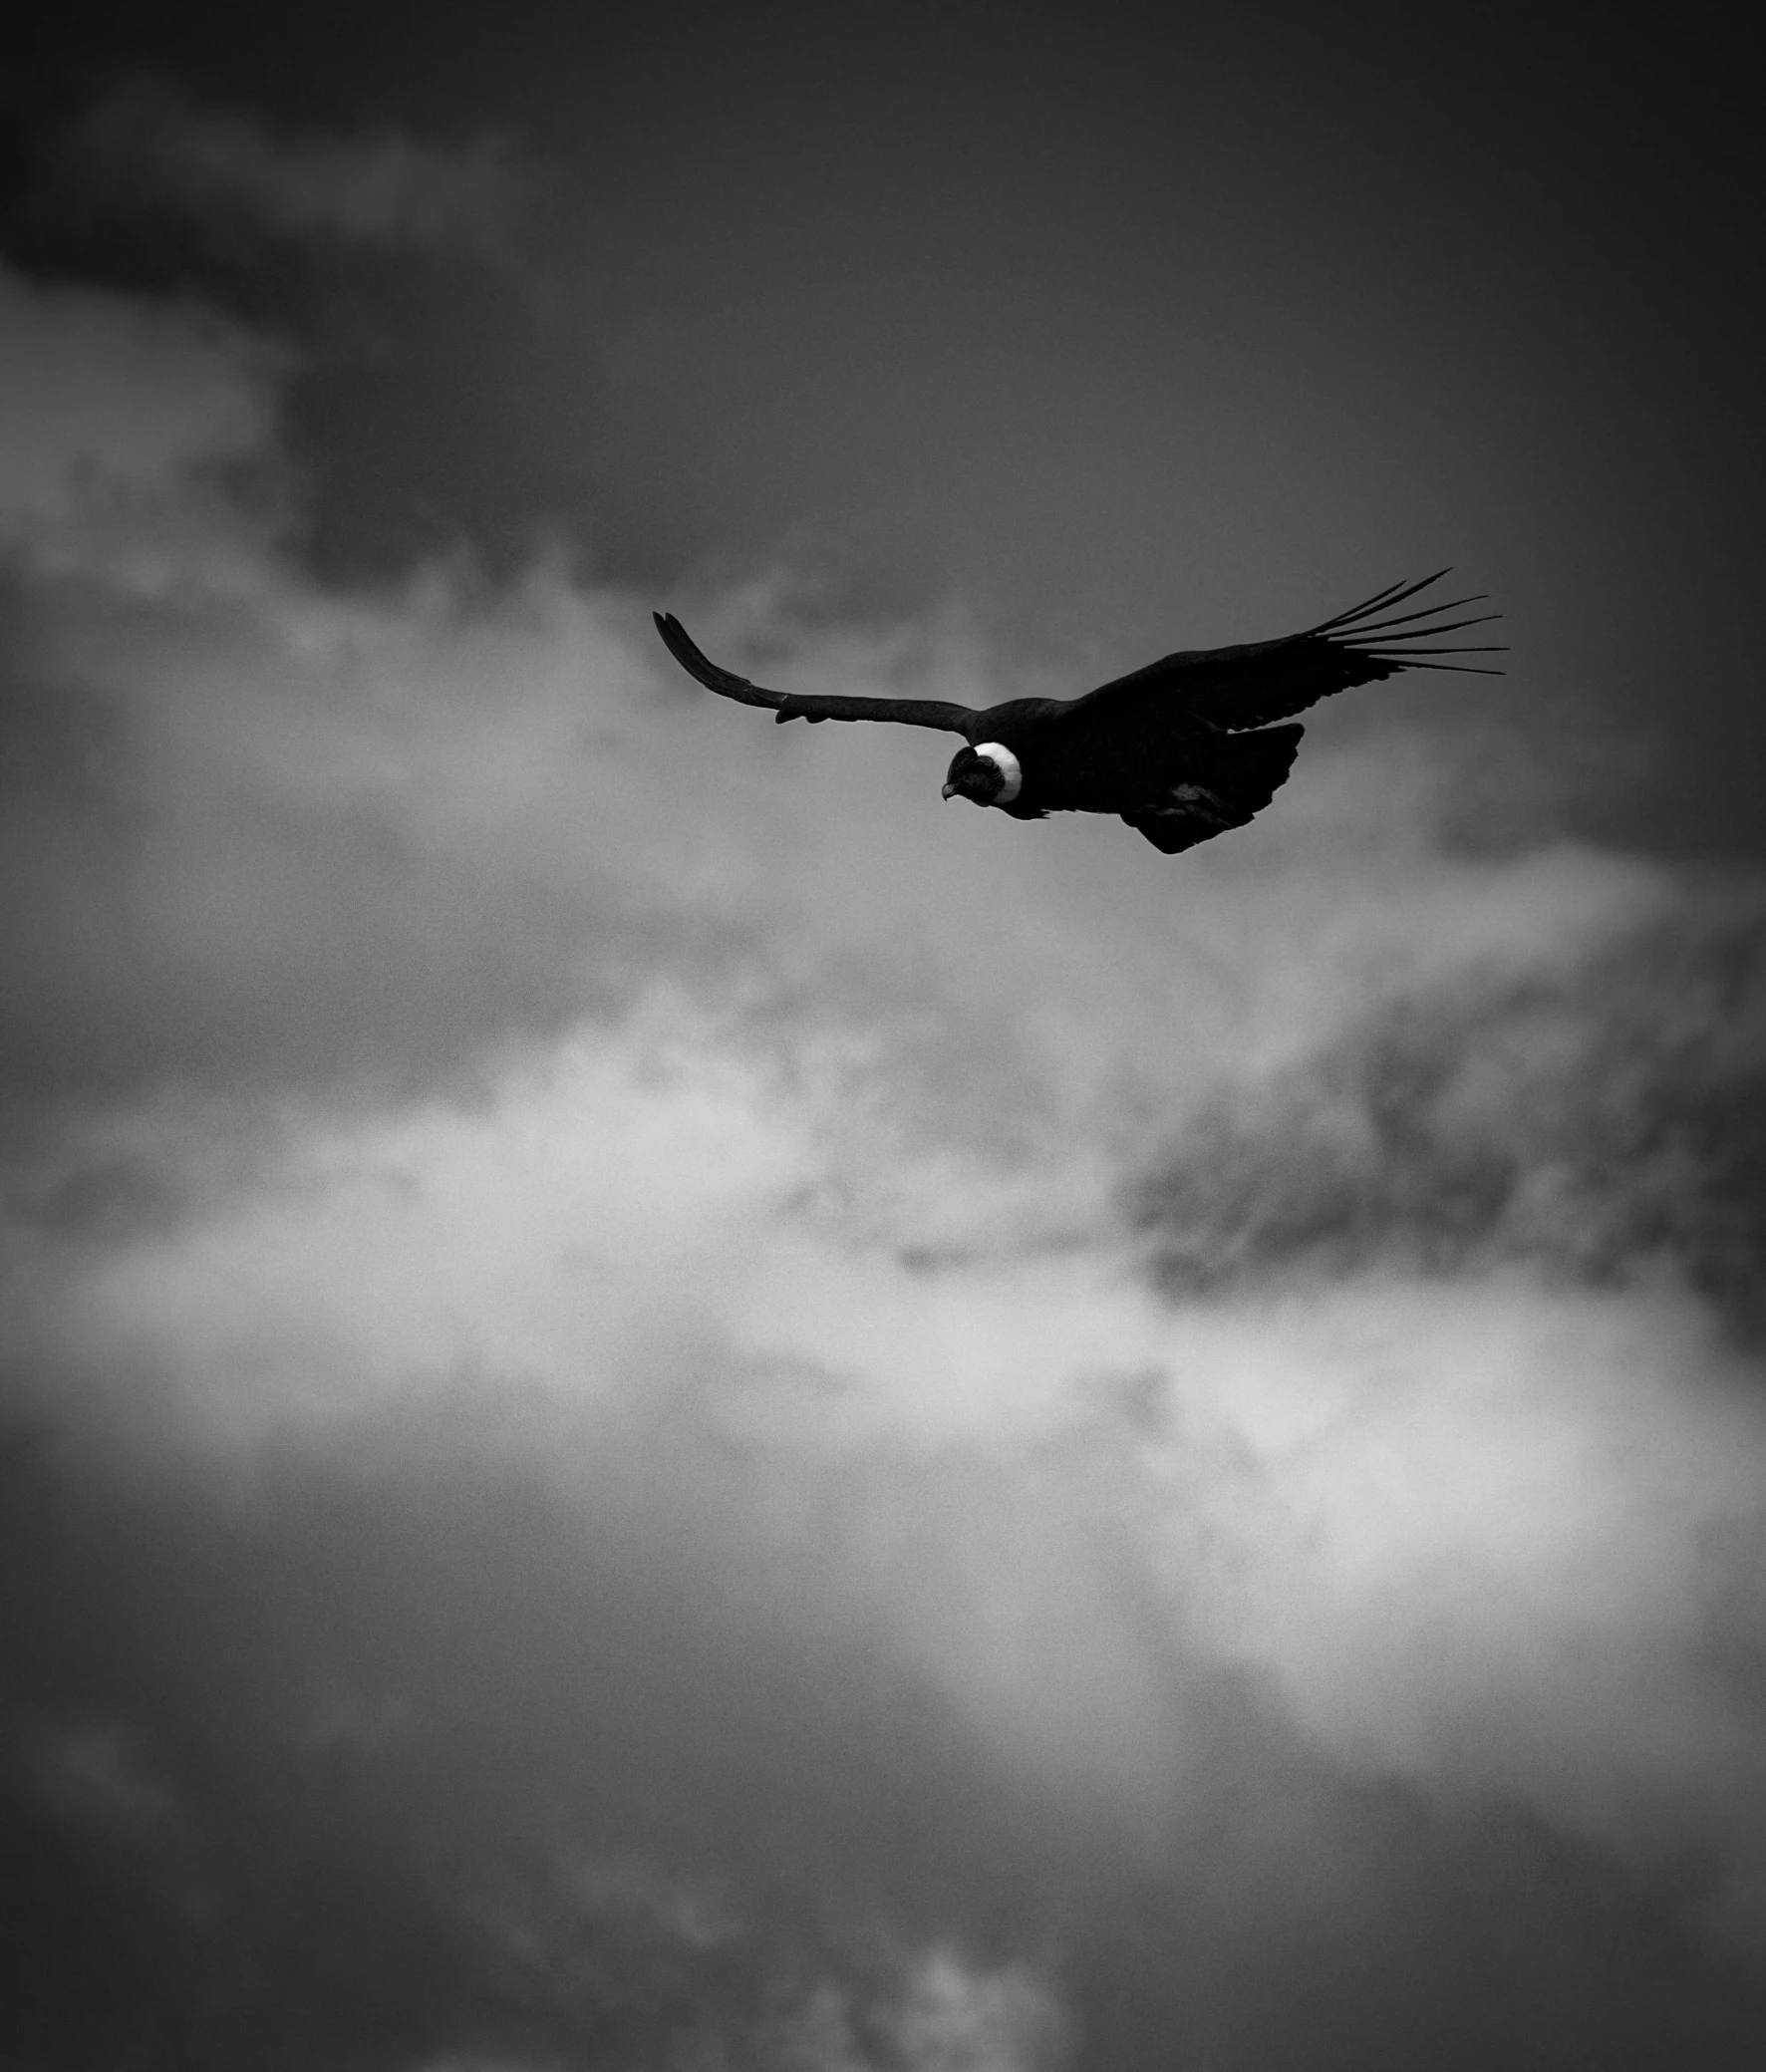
[[988, 773]]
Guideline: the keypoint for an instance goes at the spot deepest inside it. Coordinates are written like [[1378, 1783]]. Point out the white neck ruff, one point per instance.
[[1009, 766]]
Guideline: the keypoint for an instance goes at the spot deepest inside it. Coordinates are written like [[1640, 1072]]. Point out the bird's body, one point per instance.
[[1163, 771], [1181, 749]]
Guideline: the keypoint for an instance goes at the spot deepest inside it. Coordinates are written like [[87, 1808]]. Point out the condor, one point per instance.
[[1182, 749]]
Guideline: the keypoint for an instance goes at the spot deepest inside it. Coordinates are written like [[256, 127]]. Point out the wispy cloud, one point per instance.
[[669, 1394], [146, 144], [127, 428]]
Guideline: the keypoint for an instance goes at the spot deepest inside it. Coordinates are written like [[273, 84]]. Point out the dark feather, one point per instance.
[[1381, 600], [1245, 687], [1222, 785], [904, 712]]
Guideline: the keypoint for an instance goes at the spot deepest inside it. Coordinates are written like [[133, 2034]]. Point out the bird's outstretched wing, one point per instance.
[[1235, 688], [905, 711]]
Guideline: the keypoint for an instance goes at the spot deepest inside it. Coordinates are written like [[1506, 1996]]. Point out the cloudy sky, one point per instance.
[[667, 1406]]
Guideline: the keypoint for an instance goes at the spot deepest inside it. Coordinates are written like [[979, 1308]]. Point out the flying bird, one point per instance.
[[1182, 749]]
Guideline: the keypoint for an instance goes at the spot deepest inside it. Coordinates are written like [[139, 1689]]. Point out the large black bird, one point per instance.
[[1182, 749]]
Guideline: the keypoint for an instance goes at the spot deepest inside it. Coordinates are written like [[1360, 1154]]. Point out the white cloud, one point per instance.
[[1474, 1533], [956, 2019]]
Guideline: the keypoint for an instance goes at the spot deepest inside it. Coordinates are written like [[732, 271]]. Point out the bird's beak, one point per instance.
[[950, 792]]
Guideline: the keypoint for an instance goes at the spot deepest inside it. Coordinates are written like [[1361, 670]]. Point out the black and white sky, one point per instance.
[[665, 1405]]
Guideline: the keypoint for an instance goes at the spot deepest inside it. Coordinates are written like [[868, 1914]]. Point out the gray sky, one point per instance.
[[666, 1404]]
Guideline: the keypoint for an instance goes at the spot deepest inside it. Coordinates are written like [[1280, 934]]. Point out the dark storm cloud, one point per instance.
[[1605, 1121]]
